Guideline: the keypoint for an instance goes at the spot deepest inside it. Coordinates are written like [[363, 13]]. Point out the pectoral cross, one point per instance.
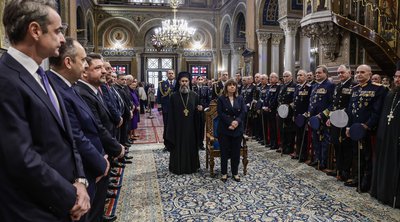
[[390, 117], [186, 112]]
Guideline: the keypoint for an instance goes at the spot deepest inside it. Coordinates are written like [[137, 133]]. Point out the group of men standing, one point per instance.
[[62, 129], [302, 119]]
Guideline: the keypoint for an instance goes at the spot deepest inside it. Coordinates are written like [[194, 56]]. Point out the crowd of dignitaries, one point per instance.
[[331, 126], [64, 130]]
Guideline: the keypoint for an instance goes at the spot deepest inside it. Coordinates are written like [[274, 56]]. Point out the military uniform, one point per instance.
[[217, 89], [271, 102], [320, 99], [262, 117], [248, 94], [165, 89], [205, 97], [300, 106], [365, 107], [287, 129], [342, 144]]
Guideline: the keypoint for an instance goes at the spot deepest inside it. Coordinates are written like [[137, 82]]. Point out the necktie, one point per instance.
[[99, 97], [46, 85]]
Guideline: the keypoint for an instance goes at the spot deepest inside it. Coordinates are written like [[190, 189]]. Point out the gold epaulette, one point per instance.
[[161, 89], [376, 84]]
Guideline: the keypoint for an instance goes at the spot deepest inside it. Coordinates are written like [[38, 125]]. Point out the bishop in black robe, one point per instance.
[[182, 132], [385, 177]]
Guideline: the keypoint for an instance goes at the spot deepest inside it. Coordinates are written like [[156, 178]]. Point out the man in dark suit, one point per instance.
[[165, 88], [127, 112], [41, 172], [66, 70], [110, 98], [87, 87]]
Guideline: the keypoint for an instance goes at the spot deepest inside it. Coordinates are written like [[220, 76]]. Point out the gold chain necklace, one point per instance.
[[390, 116], [185, 111]]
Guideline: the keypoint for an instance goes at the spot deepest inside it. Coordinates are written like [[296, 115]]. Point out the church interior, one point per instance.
[[241, 37], [237, 36]]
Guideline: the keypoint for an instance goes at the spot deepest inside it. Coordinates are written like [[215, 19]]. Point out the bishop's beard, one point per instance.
[[184, 89]]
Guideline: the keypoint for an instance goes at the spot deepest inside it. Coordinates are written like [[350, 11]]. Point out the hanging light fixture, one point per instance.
[[174, 33]]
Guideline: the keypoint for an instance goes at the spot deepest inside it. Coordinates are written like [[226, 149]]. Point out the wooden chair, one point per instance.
[[212, 145]]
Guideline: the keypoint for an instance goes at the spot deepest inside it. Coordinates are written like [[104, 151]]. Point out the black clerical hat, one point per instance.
[[180, 76]]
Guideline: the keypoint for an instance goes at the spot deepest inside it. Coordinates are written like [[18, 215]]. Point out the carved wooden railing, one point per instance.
[[376, 46]]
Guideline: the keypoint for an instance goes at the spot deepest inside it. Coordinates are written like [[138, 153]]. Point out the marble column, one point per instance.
[[225, 59], [138, 54], [289, 27], [179, 61], [305, 44], [275, 41], [237, 49], [263, 51], [214, 64]]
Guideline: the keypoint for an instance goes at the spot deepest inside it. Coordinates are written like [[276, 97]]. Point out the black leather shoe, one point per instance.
[[224, 178], [114, 186], [128, 157], [294, 157], [127, 144], [236, 178], [351, 183], [113, 174], [332, 173], [315, 163], [113, 180], [110, 218], [125, 161], [118, 164], [111, 194]]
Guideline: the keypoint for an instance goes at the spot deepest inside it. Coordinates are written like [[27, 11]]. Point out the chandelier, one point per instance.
[[174, 32]]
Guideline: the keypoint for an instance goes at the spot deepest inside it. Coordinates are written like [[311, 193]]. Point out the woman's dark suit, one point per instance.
[[230, 140]]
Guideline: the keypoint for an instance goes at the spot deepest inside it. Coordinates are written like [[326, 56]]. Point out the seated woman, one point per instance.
[[231, 111]]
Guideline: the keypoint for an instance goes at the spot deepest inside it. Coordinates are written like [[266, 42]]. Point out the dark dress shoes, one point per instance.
[[109, 218], [351, 183], [294, 157], [236, 178], [111, 194], [332, 173], [224, 178], [114, 186], [113, 180], [315, 163], [128, 157], [114, 174]]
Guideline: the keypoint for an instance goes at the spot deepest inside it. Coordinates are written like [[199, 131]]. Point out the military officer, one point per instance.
[[270, 105], [218, 87], [300, 107], [165, 88], [262, 117], [341, 143], [205, 97], [365, 107], [248, 94], [256, 117], [285, 97], [320, 99]]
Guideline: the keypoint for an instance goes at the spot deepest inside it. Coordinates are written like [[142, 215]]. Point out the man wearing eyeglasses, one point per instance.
[[385, 177]]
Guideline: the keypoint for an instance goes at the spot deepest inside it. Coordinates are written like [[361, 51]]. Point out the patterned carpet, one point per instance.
[[275, 189], [150, 129]]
